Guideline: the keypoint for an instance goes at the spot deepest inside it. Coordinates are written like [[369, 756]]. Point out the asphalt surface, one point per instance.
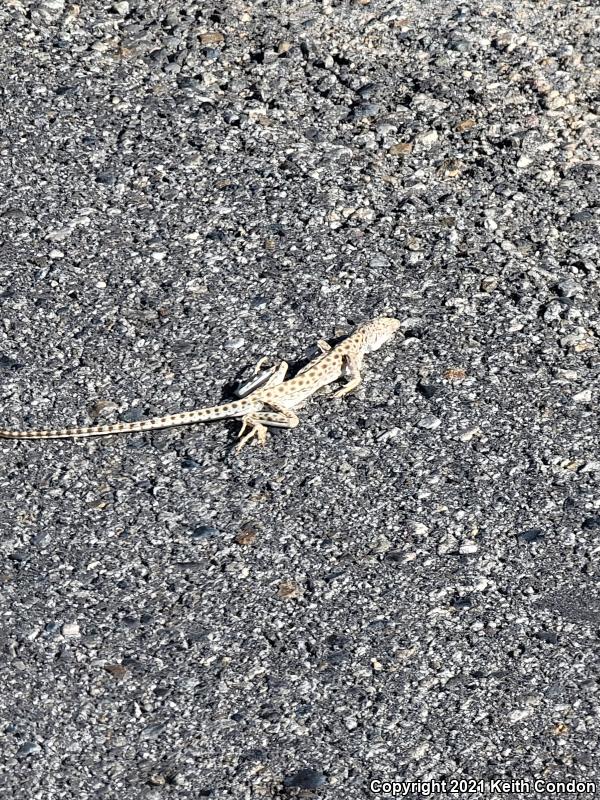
[[405, 587]]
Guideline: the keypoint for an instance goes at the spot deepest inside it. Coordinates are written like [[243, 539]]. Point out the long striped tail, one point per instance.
[[235, 409]]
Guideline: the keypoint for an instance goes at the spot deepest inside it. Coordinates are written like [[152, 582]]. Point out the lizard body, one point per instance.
[[272, 404]]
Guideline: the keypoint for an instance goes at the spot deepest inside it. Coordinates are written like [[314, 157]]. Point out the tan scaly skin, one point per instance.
[[270, 405]]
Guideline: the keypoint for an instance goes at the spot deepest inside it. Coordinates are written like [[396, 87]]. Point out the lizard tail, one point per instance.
[[236, 409]]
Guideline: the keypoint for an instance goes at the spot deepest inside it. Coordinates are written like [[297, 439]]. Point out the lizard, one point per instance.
[[266, 401]]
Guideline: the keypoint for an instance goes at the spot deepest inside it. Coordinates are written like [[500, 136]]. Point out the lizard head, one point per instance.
[[378, 331]]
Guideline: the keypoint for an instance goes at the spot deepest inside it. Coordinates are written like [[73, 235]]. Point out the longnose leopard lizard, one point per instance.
[[269, 405]]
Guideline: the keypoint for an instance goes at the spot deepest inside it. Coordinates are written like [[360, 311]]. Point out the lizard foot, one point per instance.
[[256, 430]]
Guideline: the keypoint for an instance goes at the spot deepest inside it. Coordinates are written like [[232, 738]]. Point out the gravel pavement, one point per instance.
[[405, 587]]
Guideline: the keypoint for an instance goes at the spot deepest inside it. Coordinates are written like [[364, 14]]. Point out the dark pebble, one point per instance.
[[28, 749], [364, 111], [582, 216], [132, 415], [591, 523], [531, 535], [305, 779], [427, 390], [52, 627], [189, 463], [153, 731], [367, 90], [106, 178], [9, 363], [19, 555], [547, 636], [202, 532], [462, 602]]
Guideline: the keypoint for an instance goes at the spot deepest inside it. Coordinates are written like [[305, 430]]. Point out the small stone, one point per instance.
[[133, 414], [465, 125], [380, 261], [59, 235], [531, 535], [428, 139], [365, 111], [70, 630], [520, 714], [419, 528], [106, 178], [468, 548], [426, 390], [288, 590], [28, 749], [102, 408], [118, 671], [585, 215], [430, 422], [202, 532], [462, 602], [447, 545], [524, 162], [568, 375], [6, 362], [152, 731], [56, 254], [246, 536], [451, 168], [469, 433], [554, 101], [584, 396], [489, 283], [260, 302], [51, 628], [305, 779], [401, 149], [551, 637], [121, 7], [591, 466], [159, 255], [211, 37], [454, 374], [392, 433], [591, 523], [418, 752], [569, 288]]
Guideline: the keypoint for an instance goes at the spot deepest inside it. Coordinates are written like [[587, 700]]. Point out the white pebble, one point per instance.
[[583, 397]]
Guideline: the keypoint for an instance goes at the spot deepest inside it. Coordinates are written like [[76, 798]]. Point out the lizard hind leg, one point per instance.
[[255, 429], [257, 422]]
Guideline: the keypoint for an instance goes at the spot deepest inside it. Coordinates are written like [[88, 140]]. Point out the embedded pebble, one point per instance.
[[28, 749], [430, 422], [585, 396], [307, 779]]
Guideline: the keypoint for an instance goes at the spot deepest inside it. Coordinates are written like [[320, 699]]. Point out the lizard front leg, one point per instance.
[[352, 365], [258, 421]]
